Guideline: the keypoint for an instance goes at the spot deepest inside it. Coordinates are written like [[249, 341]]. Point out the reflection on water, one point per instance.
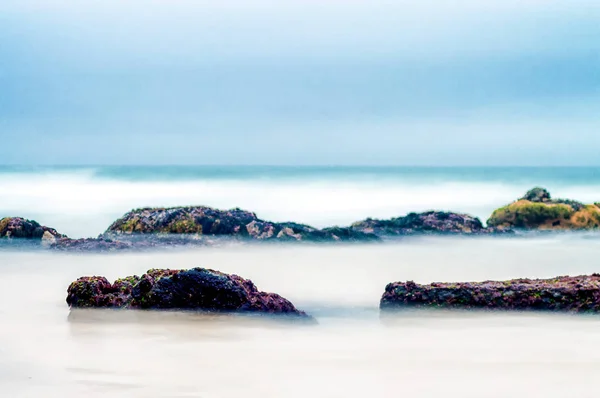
[[192, 323], [48, 350]]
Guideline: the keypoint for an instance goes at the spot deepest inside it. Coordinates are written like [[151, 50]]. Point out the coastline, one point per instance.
[[149, 228]]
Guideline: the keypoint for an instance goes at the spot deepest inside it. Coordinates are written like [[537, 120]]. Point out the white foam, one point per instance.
[[80, 204]]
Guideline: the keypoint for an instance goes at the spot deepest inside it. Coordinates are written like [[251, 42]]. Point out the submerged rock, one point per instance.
[[197, 288], [430, 222], [89, 244], [135, 242], [536, 210], [21, 228], [565, 293], [202, 221]]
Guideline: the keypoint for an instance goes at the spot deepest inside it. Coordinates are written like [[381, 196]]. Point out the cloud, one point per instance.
[[298, 82]]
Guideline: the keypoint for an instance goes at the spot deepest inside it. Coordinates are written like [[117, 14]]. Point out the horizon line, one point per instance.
[[294, 165]]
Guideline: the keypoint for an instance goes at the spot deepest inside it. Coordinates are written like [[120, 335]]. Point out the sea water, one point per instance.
[[353, 350], [83, 201]]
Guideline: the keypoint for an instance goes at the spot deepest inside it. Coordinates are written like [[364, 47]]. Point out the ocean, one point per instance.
[[83, 201], [352, 351]]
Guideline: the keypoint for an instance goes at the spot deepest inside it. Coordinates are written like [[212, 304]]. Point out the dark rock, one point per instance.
[[299, 232], [205, 221], [183, 220], [286, 231], [197, 288], [565, 293], [21, 228], [90, 244], [128, 243], [431, 222], [92, 291], [537, 194]]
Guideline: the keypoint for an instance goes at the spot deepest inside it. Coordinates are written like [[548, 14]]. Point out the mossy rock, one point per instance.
[[587, 217], [543, 213], [132, 225], [525, 214], [186, 226], [188, 220], [4, 224], [197, 222]]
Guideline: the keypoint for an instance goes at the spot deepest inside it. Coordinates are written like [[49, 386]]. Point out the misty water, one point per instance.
[[352, 351], [84, 201]]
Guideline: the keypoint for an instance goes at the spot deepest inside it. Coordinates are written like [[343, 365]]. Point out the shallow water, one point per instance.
[[46, 350]]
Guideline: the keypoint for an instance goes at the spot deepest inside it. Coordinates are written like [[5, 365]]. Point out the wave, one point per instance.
[[83, 202]]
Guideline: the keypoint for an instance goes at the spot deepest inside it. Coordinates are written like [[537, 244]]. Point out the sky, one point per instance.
[[428, 82]]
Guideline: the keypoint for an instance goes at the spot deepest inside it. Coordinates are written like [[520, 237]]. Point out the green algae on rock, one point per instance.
[[564, 293], [537, 210], [207, 221]]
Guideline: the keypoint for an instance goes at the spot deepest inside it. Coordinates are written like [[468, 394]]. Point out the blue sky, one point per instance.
[[300, 82]]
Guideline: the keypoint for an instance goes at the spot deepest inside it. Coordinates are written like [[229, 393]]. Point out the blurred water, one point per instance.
[[46, 350], [83, 201]]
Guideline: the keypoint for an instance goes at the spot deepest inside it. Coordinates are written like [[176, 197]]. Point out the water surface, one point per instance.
[[46, 350], [84, 201]]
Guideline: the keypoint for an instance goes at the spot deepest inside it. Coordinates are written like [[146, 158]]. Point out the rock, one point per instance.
[[301, 232], [91, 291], [348, 234], [537, 194], [132, 242], [92, 245], [48, 239], [21, 228], [538, 211], [565, 293], [541, 195], [262, 230], [430, 222], [288, 233], [199, 220], [194, 289], [205, 221]]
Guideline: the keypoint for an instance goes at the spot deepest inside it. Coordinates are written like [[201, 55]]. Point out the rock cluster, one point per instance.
[[201, 225], [565, 293], [206, 221], [194, 289]]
